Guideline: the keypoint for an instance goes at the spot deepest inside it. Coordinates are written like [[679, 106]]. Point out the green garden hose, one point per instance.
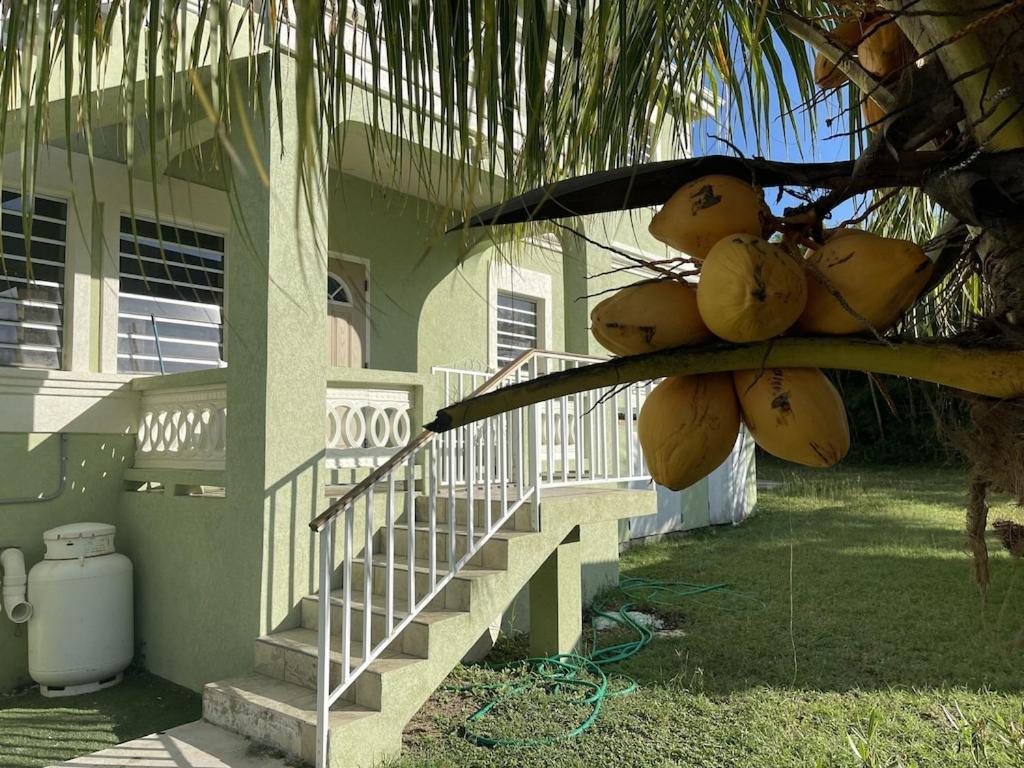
[[584, 673]]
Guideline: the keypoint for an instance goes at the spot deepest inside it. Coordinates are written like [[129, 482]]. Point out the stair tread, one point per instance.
[[461, 530], [426, 616], [288, 698], [306, 641], [422, 565]]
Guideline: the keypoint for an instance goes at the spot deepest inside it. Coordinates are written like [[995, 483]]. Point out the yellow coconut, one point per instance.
[[883, 48], [826, 74], [846, 36], [687, 427], [848, 33], [794, 414], [707, 209], [654, 315], [873, 114], [750, 289], [877, 277]]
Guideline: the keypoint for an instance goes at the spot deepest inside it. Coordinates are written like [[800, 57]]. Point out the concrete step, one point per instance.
[[494, 554], [274, 712], [521, 520], [415, 638], [455, 595], [291, 655]]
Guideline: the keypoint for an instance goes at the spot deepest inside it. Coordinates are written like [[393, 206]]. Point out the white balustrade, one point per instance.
[[182, 428], [366, 426]]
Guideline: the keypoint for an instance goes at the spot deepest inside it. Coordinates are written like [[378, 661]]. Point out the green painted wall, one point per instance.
[[92, 493], [429, 291], [196, 585]]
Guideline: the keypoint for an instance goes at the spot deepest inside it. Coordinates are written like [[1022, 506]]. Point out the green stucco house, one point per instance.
[[193, 362]]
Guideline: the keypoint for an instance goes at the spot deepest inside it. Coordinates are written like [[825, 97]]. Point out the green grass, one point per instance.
[[36, 731], [873, 647]]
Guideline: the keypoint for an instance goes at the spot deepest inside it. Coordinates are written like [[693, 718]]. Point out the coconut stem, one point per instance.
[[994, 372]]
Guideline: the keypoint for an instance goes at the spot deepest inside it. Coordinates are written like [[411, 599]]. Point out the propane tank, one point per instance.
[[80, 636]]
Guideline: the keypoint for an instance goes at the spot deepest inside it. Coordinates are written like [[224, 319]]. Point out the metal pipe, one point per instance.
[[63, 469], [156, 338]]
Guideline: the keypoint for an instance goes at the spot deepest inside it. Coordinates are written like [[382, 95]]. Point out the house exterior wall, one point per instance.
[[189, 572], [212, 573]]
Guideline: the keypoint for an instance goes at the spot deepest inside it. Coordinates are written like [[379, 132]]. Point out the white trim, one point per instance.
[[345, 287], [183, 204], [532, 285], [38, 400]]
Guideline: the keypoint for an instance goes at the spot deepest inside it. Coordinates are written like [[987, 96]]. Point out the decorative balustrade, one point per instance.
[[182, 428], [366, 426]]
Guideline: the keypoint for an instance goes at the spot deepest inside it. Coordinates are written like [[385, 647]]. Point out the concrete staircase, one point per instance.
[[276, 703]]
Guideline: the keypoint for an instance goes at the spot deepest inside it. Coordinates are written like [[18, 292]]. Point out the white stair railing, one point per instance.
[[502, 461]]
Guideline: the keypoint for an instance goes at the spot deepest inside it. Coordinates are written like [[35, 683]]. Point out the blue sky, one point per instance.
[[782, 143]]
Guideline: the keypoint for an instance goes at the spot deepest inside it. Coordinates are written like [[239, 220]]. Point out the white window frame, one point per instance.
[[70, 341], [344, 286], [525, 283], [177, 222]]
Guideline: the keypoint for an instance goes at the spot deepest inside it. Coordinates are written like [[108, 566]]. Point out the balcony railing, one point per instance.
[[365, 427], [182, 428]]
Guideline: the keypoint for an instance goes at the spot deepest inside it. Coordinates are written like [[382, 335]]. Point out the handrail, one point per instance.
[[318, 523]]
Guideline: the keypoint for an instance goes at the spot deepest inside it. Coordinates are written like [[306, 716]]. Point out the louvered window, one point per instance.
[[170, 315], [517, 327], [32, 284]]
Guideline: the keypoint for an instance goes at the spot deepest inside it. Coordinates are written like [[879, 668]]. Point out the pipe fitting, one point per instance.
[[15, 586]]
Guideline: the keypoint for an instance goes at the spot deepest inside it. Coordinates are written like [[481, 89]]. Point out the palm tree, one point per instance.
[[521, 94]]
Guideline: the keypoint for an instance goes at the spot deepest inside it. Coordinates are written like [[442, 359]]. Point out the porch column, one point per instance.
[[275, 328], [556, 607]]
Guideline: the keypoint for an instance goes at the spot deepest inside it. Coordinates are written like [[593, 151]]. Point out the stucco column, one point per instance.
[[276, 265], [576, 265], [556, 607]]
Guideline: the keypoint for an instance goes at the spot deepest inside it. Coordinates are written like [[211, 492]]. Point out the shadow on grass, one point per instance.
[[861, 591], [39, 731]]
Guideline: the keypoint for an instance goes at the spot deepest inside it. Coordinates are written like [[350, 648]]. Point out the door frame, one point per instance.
[[365, 264]]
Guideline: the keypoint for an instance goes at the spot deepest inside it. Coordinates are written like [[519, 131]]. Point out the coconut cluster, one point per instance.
[[751, 290], [875, 42]]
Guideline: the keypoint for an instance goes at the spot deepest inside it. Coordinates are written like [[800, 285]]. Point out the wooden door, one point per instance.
[[346, 314]]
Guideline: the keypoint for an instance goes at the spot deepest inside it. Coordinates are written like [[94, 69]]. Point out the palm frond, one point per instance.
[[507, 93]]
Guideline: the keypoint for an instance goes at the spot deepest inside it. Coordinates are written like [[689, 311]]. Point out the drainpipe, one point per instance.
[[62, 478], [15, 586]]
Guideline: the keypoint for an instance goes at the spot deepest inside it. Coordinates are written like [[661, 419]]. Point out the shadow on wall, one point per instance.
[[29, 467], [291, 547], [402, 238]]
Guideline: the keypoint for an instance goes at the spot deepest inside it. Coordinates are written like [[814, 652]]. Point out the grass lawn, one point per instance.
[[36, 731], [872, 647]]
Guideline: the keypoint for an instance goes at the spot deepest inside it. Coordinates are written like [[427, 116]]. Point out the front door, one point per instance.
[[346, 313]]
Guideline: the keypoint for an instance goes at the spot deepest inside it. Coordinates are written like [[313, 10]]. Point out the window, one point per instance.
[[170, 311], [32, 283], [517, 327], [337, 291]]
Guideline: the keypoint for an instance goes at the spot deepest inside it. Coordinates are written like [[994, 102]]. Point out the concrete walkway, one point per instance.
[[193, 745]]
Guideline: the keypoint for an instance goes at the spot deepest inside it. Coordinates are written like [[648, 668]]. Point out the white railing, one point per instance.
[[182, 428], [365, 427], [502, 461]]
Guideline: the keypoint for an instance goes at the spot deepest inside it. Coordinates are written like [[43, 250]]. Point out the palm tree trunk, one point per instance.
[[990, 44]]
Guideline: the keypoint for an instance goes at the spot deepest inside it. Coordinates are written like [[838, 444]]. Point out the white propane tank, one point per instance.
[[80, 636]]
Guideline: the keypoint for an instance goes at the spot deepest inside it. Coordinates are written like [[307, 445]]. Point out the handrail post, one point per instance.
[[534, 438], [323, 661]]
